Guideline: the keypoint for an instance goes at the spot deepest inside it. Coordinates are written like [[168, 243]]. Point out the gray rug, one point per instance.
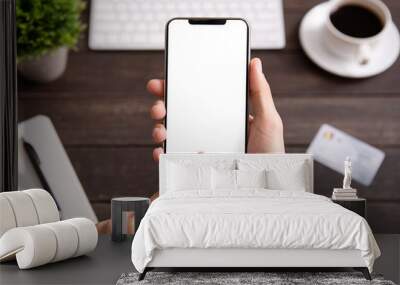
[[269, 278]]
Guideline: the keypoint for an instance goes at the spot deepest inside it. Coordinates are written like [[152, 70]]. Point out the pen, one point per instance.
[[34, 158]]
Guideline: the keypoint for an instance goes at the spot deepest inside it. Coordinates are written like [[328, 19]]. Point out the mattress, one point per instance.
[[250, 219]]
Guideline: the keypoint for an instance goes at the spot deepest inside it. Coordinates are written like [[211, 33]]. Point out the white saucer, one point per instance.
[[311, 29]]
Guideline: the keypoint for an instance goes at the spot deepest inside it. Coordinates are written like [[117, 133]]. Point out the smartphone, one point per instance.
[[206, 91]]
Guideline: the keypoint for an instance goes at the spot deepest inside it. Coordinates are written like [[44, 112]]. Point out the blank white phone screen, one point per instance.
[[206, 86]]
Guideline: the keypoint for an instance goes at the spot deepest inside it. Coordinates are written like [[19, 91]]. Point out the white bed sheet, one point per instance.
[[252, 218]]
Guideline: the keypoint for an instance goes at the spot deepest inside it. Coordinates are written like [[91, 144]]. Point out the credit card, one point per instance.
[[331, 146]]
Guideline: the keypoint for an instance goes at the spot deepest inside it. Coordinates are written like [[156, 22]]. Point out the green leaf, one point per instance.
[[44, 25]]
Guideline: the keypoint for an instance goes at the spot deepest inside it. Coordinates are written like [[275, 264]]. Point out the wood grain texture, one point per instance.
[[100, 109], [289, 71], [102, 210], [122, 121], [110, 172], [291, 74]]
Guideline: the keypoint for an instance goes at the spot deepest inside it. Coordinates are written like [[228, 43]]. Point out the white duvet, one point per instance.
[[250, 218]]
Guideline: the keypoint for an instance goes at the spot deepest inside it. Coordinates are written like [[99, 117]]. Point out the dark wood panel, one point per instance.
[[123, 121], [102, 210], [100, 109], [384, 187], [374, 120], [123, 74], [91, 122], [294, 75], [289, 71], [108, 172], [112, 172], [101, 73]]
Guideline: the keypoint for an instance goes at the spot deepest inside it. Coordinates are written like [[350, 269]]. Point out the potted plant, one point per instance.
[[46, 30]]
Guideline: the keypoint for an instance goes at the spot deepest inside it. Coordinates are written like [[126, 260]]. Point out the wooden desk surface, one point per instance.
[[100, 109]]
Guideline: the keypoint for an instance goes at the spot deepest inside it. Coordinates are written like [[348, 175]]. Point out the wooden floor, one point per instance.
[[100, 109]]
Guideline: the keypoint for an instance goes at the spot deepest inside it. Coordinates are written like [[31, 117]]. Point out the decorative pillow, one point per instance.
[[188, 177], [223, 179], [281, 174], [292, 179], [251, 178]]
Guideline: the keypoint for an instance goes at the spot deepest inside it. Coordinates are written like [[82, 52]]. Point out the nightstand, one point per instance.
[[358, 206]]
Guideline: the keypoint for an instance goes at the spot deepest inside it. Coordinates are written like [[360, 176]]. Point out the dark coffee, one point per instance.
[[356, 21]]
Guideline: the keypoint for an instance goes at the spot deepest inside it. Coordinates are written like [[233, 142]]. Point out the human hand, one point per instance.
[[265, 125]]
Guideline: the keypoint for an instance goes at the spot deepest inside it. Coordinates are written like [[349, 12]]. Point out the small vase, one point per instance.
[[45, 68]]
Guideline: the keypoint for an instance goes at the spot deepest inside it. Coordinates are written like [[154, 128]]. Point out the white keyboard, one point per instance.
[[140, 24]]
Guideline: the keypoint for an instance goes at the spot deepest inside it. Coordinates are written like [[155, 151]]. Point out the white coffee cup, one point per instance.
[[348, 47]]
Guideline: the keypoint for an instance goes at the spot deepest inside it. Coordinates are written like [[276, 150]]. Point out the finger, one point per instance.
[[104, 227], [250, 121], [251, 118], [157, 111], [159, 133], [260, 93], [156, 153], [156, 87]]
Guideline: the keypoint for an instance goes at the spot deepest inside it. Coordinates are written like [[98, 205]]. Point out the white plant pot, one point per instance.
[[46, 68]]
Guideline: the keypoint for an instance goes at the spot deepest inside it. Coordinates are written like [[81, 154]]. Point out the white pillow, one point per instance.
[[251, 178], [287, 174], [223, 179], [188, 177], [292, 179]]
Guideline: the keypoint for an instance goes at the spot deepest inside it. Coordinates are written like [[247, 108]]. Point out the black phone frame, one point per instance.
[[206, 21]]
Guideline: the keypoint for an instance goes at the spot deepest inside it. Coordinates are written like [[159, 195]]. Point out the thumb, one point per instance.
[[260, 93]]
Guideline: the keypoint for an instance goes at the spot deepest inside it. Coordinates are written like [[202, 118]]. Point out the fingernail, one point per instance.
[[156, 133], [258, 66]]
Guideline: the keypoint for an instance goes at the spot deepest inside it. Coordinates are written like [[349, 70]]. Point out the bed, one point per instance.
[[246, 211]]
